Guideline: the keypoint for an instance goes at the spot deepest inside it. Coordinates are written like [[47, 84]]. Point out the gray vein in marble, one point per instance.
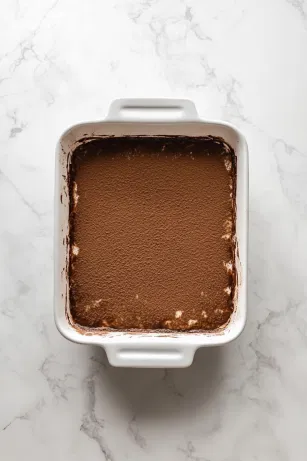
[[263, 361], [290, 149], [9, 305], [18, 93], [233, 103], [58, 385], [269, 406], [302, 330], [210, 71], [134, 432], [21, 417], [136, 10], [209, 75], [157, 26], [188, 14], [291, 178], [266, 360], [41, 21], [195, 26], [26, 45], [168, 379], [272, 316], [20, 195], [15, 131], [189, 452], [18, 127], [92, 426], [251, 385], [24, 51], [158, 32], [100, 361], [27, 415], [17, 9], [299, 5], [42, 329]]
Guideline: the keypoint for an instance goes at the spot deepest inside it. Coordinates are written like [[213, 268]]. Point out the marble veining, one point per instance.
[[63, 62]]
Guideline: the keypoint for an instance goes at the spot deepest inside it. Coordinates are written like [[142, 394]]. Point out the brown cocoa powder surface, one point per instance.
[[152, 233]]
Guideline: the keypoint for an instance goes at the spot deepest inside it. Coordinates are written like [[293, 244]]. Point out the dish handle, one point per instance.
[[159, 110], [152, 356]]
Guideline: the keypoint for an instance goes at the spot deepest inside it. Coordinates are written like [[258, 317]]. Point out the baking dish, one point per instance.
[[151, 117]]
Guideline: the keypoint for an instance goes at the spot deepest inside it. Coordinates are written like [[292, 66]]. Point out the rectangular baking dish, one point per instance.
[[148, 117]]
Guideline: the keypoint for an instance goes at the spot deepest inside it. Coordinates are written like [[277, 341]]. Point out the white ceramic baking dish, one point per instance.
[[148, 117]]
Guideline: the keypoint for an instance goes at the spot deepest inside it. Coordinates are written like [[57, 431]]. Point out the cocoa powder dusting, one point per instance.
[[152, 233]]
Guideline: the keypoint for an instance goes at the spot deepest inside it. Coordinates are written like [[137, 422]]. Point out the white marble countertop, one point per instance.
[[62, 62]]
